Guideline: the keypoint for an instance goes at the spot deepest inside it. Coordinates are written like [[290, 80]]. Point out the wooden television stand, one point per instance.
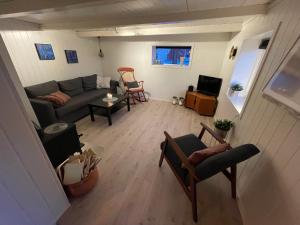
[[203, 104]]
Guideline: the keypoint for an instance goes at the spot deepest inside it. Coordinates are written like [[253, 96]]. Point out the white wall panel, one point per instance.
[[161, 81], [267, 182], [31, 70]]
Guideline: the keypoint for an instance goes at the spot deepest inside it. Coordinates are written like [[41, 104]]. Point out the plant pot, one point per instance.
[[230, 92], [221, 133], [233, 93]]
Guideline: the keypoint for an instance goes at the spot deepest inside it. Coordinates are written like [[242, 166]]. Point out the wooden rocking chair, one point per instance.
[[134, 88], [176, 152]]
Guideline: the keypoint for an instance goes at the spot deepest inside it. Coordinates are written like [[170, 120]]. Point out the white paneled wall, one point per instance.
[[161, 81], [269, 183], [30, 191], [31, 70]]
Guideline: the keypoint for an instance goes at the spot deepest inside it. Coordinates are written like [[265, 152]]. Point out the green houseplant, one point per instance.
[[235, 87], [222, 126]]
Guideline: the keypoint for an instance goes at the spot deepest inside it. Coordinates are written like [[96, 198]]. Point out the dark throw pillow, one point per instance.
[[89, 82], [132, 84], [198, 156]]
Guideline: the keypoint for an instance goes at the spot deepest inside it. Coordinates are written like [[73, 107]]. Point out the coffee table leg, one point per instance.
[[109, 116], [91, 113], [128, 104]]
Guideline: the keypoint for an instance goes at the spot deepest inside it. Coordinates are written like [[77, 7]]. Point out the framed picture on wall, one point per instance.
[[45, 51], [284, 86], [71, 56]]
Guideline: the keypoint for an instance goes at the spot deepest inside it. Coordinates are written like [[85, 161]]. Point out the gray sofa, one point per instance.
[[81, 90]]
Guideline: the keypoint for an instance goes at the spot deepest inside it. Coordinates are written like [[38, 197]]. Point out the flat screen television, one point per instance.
[[209, 85]]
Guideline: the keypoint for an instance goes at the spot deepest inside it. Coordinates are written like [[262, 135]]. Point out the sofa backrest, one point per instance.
[[71, 87], [41, 89]]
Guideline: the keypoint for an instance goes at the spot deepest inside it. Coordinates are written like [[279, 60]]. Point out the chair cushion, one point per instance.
[[89, 82], [80, 101], [71, 87], [41, 89], [132, 84], [223, 160], [188, 144]]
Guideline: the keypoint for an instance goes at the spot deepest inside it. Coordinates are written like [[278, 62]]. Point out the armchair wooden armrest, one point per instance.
[[212, 133], [180, 154]]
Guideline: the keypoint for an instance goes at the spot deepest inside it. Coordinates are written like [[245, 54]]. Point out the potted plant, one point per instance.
[[222, 127], [235, 88]]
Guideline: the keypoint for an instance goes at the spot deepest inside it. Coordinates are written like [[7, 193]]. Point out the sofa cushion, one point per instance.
[[71, 87], [89, 82], [80, 101], [41, 89]]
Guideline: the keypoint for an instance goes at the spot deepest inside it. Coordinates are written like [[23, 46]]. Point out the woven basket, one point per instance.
[[84, 186]]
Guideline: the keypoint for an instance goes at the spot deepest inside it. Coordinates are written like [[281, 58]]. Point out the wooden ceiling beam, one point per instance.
[[100, 22], [149, 30]]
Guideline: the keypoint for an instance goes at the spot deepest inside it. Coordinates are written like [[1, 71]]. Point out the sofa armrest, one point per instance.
[[113, 86], [44, 111]]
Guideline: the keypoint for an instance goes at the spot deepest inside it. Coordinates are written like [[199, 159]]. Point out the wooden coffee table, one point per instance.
[[108, 107]]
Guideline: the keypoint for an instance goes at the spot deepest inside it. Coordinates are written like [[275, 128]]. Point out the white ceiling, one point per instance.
[[91, 14]]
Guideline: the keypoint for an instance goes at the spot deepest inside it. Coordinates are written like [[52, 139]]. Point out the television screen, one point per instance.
[[209, 85]]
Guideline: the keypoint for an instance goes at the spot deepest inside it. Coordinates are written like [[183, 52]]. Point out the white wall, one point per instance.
[[31, 70], [269, 183], [164, 82], [30, 191]]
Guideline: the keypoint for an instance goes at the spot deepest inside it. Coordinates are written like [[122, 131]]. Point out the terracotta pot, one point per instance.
[[84, 186], [222, 133]]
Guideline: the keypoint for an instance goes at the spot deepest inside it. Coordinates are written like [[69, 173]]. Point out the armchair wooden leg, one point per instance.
[[162, 156], [194, 199], [233, 181], [133, 98]]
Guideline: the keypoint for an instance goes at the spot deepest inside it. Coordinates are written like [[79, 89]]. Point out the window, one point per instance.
[[171, 55], [246, 69]]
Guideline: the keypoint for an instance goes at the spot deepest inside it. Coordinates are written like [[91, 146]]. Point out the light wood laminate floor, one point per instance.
[[132, 189]]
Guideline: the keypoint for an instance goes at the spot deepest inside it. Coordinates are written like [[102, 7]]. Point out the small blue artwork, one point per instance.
[[45, 51], [71, 56]]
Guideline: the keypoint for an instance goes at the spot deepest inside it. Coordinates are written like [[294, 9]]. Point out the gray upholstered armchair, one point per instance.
[[176, 152]]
